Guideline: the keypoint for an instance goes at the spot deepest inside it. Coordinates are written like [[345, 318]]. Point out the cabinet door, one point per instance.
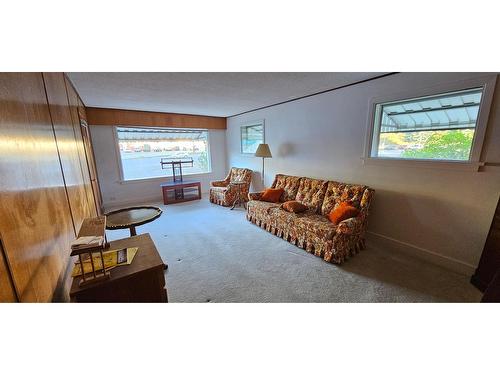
[[73, 104], [7, 292], [489, 264], [89, 151], [35, 219], [67, 147]]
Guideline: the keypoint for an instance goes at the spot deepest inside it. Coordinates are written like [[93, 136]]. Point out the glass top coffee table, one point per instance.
[[131, 217]]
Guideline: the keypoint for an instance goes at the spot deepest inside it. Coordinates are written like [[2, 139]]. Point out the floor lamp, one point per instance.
[[263, 152]]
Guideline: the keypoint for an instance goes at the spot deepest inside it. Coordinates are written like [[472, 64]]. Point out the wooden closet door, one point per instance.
[[73, 105], [7, 291], [489, 264], [35, 219], [89, 151], [67, 146]]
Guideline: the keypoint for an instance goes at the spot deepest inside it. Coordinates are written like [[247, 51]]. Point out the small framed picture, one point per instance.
[[252, 135]]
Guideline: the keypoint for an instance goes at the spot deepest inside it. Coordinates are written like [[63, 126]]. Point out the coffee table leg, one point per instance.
[[132, 231]]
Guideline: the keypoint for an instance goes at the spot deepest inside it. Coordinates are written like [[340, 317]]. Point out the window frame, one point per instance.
[[248, 125], [122, 180], [487, 82]]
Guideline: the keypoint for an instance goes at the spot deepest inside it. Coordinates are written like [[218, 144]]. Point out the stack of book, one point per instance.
[[87, 242]]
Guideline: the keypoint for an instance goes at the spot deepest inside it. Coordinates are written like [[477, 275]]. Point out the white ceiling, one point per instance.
[[211, 94]]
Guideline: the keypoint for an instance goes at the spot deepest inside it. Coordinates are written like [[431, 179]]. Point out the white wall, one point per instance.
[[441, 215], [117, 193]]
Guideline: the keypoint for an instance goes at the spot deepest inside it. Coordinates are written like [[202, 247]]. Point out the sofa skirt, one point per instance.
[[336, 250]]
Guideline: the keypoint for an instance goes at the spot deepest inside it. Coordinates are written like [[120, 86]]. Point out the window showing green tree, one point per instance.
[[437, 127], [448, 144]]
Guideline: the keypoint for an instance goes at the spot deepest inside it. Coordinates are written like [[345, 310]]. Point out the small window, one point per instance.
[[437, 127], [141, 150], [252, 136]]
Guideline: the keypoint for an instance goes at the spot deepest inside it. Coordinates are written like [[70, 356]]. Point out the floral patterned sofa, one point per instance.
[[224, 193], [311, 230]]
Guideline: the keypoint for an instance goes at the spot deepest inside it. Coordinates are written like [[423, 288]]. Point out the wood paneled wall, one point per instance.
[[7, 291], [44, 184], [73, 107], [107, 116]]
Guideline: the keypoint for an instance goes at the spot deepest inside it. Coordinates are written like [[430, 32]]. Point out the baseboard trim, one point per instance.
[[108, 206], [444, 261]]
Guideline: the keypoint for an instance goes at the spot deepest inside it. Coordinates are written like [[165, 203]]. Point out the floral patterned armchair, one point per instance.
[[225, 193]]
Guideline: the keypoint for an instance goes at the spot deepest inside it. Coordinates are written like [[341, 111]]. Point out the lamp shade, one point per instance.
[[263, 151]]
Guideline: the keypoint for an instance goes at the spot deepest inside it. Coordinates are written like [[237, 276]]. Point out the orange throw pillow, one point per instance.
[[294, 206], [272, 195], [342, 212]]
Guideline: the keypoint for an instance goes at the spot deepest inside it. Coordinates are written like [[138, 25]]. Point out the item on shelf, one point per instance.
[[91, 240], [87, 242], [112, 259]]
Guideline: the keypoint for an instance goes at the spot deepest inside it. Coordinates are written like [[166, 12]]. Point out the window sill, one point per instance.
[[151, 179], [432, 164]]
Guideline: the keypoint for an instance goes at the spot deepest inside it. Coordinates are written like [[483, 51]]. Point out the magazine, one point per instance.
[[112, 259]]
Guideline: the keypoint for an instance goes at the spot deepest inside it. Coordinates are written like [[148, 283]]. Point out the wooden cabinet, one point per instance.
[[489, 264], [45, 184], [89, 152], [73, 106], [66, 141], [35, 220], [141, 281], [7, 291]]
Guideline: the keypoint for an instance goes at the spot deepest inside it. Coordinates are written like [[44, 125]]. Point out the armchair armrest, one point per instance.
[[222, 183], [255, 196], [354, 225]]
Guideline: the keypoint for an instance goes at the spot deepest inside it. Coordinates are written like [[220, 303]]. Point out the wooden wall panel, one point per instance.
[[35, 219], [107, 116], [67, 145], [87, 142], [73, 105], [7, 291]]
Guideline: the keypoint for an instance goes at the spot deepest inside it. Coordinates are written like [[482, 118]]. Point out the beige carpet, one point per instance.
[[216, 255]]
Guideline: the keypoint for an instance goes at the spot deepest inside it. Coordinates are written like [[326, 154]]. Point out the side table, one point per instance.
[[180, 191], [240, 201], [129, 218], [141, 281]]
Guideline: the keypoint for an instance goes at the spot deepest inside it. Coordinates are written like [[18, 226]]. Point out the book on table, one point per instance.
[[112, 259]]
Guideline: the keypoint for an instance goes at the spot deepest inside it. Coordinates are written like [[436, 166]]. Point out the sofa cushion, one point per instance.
[[290, 185], [341, 212], [271, 214], [272, 195], [311, 193], [294, 206], [337, 192], [261, 210], [317, 224]]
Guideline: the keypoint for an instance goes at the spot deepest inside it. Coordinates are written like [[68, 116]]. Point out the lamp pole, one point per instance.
[[263, 151], [263, 158]]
